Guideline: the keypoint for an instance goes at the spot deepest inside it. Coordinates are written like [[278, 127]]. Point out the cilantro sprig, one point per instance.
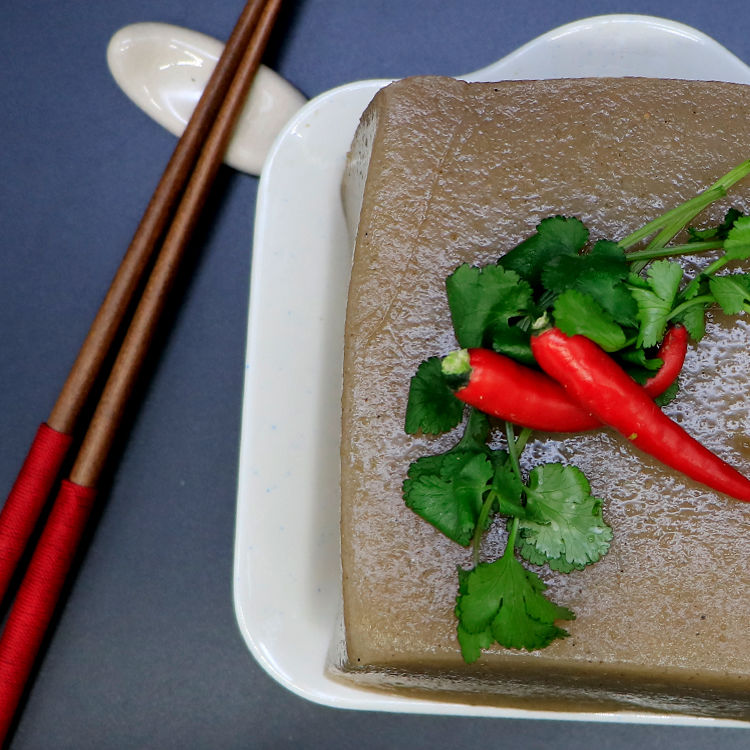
[[503, 601], [559, 522], [622, 298], [563, 526]]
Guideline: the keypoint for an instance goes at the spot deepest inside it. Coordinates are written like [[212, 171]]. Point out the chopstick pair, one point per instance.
[[178, 198]]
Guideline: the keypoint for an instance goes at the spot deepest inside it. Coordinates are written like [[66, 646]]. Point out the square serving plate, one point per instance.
[[287, 573]]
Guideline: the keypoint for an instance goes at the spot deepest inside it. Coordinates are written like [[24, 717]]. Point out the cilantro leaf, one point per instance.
[[506, 486], [565, 527], [578, 313], [471, 644], [638, 363], [668, 395], [695, 287], [476, 433], [600, 274], [514, 342], [431, 406], [606, 257], [737, 243], [614, 297], [719, 232], [483, 300], [694, 319], [656, 300], [554, 236], [506, 600], [640, 358], [731, 292], [447, 490]]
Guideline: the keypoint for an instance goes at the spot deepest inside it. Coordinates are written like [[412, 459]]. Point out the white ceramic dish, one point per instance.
[[287, 572]]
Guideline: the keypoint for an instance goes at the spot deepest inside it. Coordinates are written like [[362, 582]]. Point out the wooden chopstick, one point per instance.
[[40, 589], [151, 228], [103, 426], [49, 449]]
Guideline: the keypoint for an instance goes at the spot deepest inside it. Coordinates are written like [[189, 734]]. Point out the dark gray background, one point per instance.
[[146, 652]]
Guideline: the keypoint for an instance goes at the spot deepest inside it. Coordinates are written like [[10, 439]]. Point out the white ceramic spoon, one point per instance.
[[164, 70]]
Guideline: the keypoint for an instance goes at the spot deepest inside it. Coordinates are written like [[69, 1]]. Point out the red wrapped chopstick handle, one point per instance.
[[28, 496], [38, 594]]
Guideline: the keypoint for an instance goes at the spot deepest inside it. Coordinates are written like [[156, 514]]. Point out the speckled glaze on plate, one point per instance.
[[287, 568]]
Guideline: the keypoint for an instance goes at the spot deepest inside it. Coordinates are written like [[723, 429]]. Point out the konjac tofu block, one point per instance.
[[443, 172]]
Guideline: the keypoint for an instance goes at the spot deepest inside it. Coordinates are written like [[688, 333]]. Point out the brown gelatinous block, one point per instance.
[[442, 172]]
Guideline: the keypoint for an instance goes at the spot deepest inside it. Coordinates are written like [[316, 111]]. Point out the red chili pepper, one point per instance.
[[598, 384], [501, 387], [672, 353]]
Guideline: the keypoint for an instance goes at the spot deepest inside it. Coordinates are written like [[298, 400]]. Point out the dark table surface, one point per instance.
[[146, 651]]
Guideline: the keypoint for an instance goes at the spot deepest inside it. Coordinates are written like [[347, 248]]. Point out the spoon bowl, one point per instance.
[[163, 69]]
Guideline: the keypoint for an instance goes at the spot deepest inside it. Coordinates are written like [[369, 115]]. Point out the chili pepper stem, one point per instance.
[[456, 363]]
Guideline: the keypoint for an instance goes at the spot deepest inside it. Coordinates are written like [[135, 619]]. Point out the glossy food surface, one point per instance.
[[455, 172]]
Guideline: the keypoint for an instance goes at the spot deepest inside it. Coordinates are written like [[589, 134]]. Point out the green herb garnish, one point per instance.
[[623, 299]]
